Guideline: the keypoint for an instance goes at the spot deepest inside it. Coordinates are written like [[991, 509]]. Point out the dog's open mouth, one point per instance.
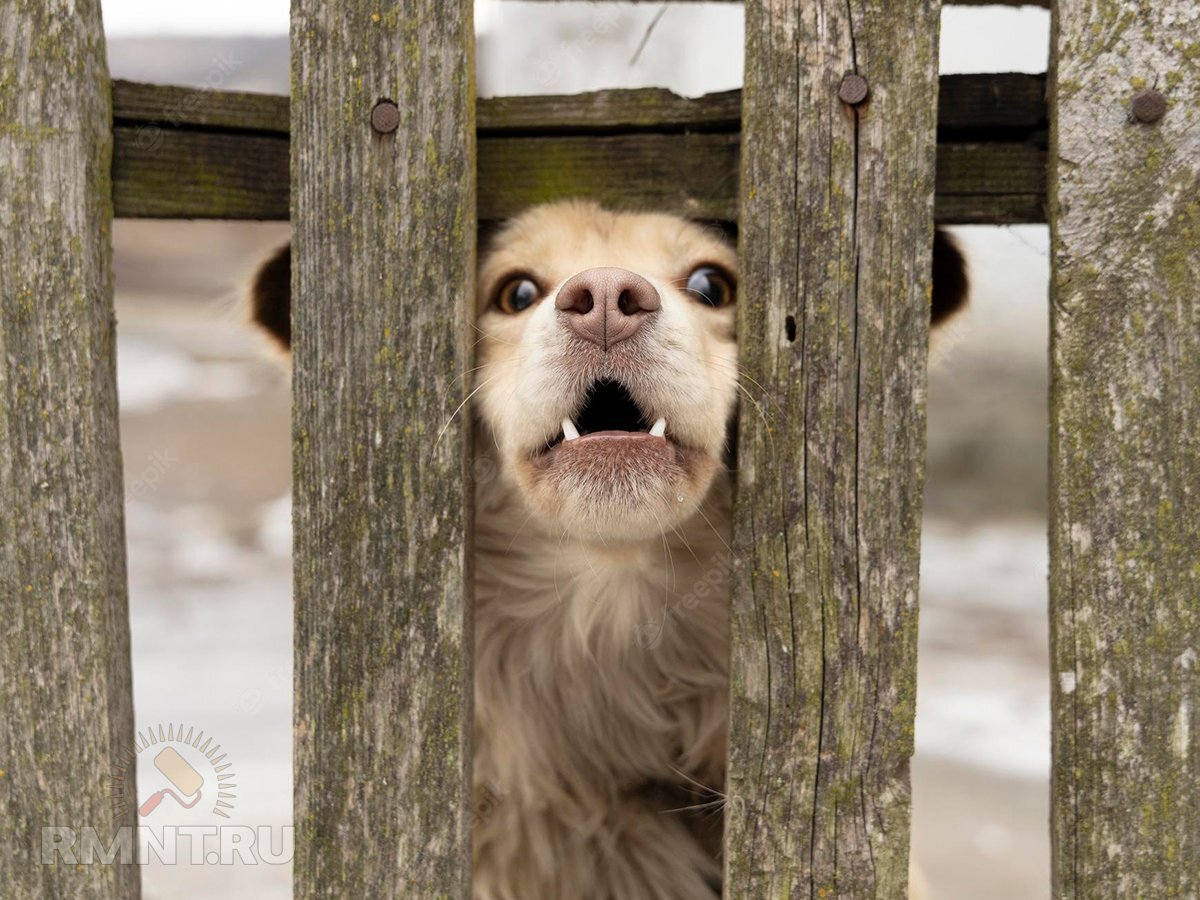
[[609, 413]]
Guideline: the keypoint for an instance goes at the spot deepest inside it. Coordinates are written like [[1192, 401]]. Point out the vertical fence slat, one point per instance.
[[836, 231], [1125, 451], [65, 688], [383, 272]]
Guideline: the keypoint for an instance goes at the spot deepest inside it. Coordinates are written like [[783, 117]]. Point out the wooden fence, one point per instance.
[[835, 161]]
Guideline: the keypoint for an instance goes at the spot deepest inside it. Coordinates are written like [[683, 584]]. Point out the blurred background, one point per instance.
[[205, 430]]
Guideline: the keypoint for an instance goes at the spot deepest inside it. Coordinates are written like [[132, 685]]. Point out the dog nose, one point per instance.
[[607, 305]]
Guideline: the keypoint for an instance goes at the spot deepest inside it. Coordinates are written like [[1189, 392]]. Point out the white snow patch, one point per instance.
[[983, 694], [275, 527], [151, 374]]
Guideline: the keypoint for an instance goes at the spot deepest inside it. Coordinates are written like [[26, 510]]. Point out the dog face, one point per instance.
[[607, 365], [607, 362]]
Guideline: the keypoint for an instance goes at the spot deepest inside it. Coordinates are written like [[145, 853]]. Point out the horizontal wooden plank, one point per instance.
[[203, 175], [182, 174], [170, 106], [1006, 104], [989, 104], [998, 184], [178, 174], [180, 153], [692, 174], [621, 109], [994, 105]]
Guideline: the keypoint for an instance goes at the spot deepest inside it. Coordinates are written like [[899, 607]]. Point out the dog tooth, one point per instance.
[[660, 427], [570, 432]]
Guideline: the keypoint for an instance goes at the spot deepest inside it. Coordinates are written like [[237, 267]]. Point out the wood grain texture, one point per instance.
[[1125, 452], [64, 633], [836, 233], [998, 106], [159, 107], [383, 273], [993, 184], [690, 174], [619, 109], [220, 176], [186, 174], [184, 153], [981, 102]]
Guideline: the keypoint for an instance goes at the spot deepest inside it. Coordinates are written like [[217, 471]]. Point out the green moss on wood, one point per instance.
[[1125, 456], [64, 631], [644, 148], [383, 272], [836, 223]]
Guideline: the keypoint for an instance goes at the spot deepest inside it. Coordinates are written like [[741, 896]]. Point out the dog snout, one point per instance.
[[607, 305]]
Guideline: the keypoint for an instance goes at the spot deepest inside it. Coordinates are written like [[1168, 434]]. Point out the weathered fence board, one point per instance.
[[164, 107], [67, 721], [1125, 451], [978, 104], [836, 231], [200, 175], [383, 275], [185, 153]]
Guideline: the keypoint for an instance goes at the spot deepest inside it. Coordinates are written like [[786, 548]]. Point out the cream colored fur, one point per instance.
[[601, 576], [601, 620], [602, 594]]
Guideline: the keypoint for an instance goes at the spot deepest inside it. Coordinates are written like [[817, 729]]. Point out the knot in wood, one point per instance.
[[385, 117], [1149, 106], [853, 90]]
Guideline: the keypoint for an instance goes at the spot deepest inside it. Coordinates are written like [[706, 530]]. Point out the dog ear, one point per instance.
[[950, 282], [271, 297]]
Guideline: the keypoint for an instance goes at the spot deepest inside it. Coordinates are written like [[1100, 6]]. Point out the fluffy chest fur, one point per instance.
[[598, 666], [600, 676]]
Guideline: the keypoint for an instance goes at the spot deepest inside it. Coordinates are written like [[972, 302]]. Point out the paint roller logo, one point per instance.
[[181, 775], [193, 765]]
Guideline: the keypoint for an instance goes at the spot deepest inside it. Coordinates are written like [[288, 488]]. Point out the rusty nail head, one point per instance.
[[1149, 106], [385, 117], [853, 90]]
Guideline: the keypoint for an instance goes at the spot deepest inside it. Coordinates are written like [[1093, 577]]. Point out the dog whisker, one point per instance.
[[719, 802], [704, 787], [459, 409], [724, 543], [517, 534], [683, 540], [487, 335]]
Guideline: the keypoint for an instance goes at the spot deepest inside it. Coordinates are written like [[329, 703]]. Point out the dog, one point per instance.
[[604, 398]]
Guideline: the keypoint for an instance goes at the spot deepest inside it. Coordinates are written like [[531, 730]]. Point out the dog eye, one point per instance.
[[710, 285], [517, 294]]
